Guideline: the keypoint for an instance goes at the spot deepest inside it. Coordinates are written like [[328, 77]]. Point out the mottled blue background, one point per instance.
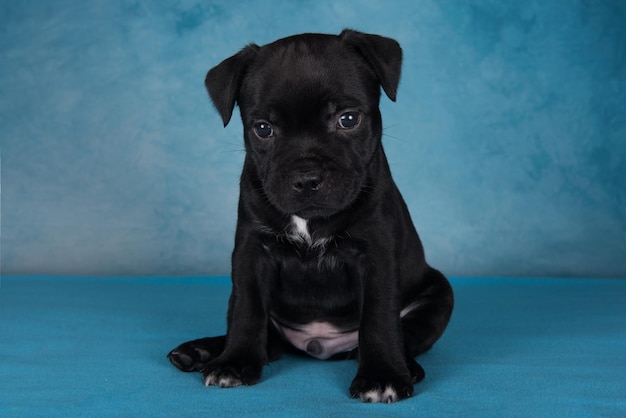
[[508, 138]]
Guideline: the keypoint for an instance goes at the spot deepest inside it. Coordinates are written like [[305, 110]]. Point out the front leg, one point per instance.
[[246, 346], [231, 372], [245, 353], [383, 374], [238, 371]]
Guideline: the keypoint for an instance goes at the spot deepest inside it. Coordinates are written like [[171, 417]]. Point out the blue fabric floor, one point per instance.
[[514, 347]]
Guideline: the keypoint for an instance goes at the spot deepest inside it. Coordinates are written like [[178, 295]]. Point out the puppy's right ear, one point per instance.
[[224, 81]]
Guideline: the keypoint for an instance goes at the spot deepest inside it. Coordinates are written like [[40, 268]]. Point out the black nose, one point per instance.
[[307, 183]]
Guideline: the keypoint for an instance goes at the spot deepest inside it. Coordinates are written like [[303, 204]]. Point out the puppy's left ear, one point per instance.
[[224, 80], [383, 54]]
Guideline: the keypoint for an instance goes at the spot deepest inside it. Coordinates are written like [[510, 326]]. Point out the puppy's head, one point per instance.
[[309, 106]]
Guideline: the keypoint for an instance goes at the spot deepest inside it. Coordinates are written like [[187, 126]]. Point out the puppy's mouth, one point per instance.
[[317, 205], [313, 211]]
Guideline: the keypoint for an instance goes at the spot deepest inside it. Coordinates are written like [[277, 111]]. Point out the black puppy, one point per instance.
[[326, 257]]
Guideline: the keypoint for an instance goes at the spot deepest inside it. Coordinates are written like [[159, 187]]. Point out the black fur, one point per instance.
[[362, 262]]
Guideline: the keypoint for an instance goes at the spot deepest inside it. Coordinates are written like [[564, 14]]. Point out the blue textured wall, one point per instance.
[[508, 139]]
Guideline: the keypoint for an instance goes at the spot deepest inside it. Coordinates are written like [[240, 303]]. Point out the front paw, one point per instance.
[[385, 389], [228, 374]]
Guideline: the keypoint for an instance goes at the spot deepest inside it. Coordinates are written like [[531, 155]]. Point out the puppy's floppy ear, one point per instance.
[[224, 80], [383, 54]]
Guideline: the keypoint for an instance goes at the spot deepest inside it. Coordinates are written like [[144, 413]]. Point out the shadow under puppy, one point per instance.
[[326, 257]]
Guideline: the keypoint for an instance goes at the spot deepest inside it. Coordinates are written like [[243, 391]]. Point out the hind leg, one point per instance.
[[193, 356], [425, 318]]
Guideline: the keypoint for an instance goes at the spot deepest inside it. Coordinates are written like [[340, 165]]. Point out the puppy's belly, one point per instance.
[[319, 339]]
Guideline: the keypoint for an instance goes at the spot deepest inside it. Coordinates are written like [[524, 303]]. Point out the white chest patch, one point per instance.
[[300, 233], [300, 229]]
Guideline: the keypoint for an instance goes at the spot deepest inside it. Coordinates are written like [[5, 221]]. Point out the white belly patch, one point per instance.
[[320, 339]]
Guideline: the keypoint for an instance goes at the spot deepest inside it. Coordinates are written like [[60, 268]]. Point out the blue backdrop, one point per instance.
[[508, 138]]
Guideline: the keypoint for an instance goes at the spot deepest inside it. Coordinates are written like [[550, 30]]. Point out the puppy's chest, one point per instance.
[[300, 246], [314, 279]]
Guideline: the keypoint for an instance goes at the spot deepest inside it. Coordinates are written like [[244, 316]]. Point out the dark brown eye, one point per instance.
[[349, 120], [263, 130]]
